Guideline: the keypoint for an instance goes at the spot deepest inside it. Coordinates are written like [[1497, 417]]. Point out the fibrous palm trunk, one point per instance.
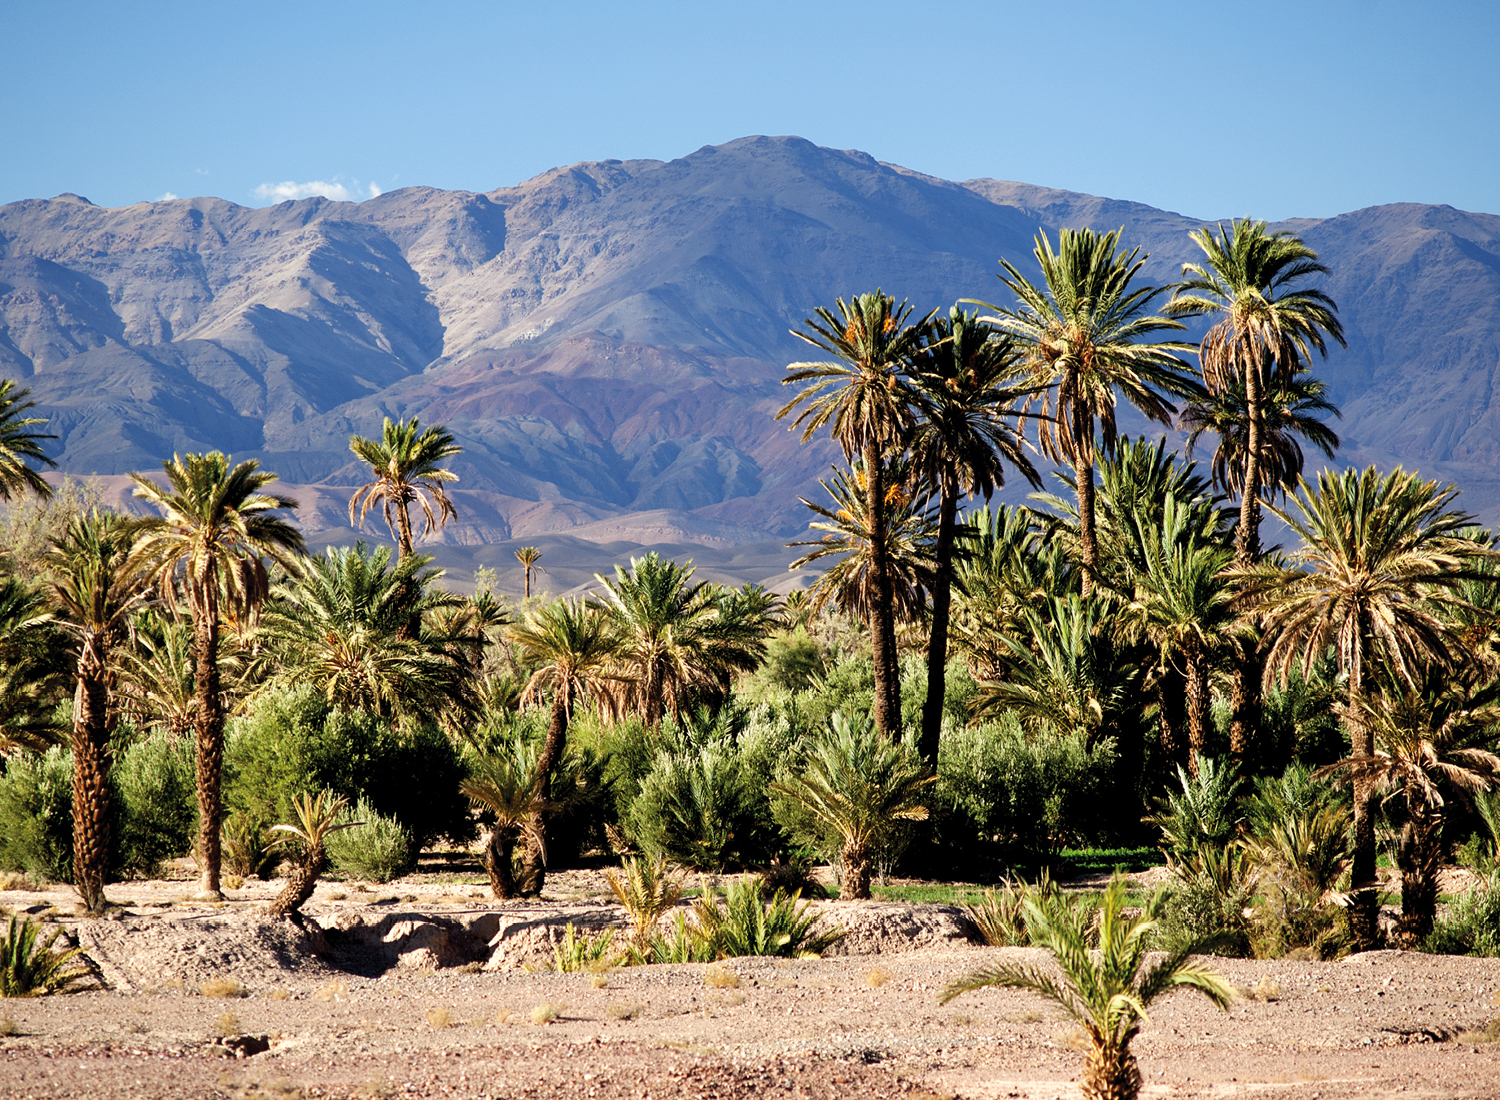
[[1083, 485], [937, 641], [1169, 722], [499, 851], [403, 527], [856, 883], [534, 861], [91, 775], [1111, 1072], [1420, 858], [210, 733], [301, 883], [882, 613], [1363, 908], [1196, 683], [1244, 712]]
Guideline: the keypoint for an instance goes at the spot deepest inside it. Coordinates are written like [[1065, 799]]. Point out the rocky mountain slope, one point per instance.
[[607, 339]]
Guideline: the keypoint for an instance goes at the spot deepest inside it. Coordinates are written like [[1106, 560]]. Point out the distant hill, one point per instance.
[[606, 340]]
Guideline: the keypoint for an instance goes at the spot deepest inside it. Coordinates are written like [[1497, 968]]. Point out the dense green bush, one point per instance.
[[377, 849], [156, 803], [36, 814], [1205, 809], [292, 741], [1471, 925], [1009, 799]]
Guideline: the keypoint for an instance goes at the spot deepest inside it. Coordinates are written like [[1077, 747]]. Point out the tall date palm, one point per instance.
[[407, 467], [1380, 560], [966, 433], [215, 532], [862, 397], [1085, 336], [18, 443]]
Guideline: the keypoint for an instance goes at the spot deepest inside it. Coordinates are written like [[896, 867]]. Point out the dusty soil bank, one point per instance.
[[400, 1003]]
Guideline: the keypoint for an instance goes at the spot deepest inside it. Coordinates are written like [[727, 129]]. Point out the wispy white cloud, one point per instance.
[[201, 171], [337, 189], [288, 189], [165, 196]]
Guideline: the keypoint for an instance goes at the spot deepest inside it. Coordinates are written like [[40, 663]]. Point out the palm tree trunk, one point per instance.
[[1244, 713], [1420, 858], [300, 884], [403, 530], [1083, 484], [882, 614], [1197, 708], [1170, 718], [651, 696], [937, 641], [1111, 1072], [534, 861], [1364, 906], [91, 775], [498, 853], [210, 733], [856, 884]]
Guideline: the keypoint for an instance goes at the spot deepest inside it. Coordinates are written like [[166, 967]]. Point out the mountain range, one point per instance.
[[607, 340]]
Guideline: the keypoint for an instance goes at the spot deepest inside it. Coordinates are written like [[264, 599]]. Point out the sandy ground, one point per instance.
[[380, 1020]]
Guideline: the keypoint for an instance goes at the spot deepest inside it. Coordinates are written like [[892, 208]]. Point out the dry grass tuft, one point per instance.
[[1263, 991], [1490, 1033], [875, 977], [8, 1026], [333, 991], [503, 1017], [732, 999], [545, 1013], [1026, 1018], [279, 994], [233, 882], [622, 1011], [439, 1018], [721, 977], [222, 987], [598, 981], [15, 880], [226, 1025]]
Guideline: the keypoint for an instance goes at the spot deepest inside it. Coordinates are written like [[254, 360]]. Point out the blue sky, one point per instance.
[[1213, 109]]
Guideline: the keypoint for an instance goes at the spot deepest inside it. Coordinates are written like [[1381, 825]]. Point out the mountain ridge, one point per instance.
[[607, 339]]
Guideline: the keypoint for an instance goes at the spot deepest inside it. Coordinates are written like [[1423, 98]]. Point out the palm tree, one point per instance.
[[662, 622], [964, 435], [1427, 737], [1291, 411], [1109, 997], [317, 817], [1088, 335], [906, 529], [407, 468], [358, 629], [571, 643], [156, 674], [19, 443], [862, 398], [1380, 558], [32, 674], [1063, 670], [857, 784], [528, 556], [1185, 605], [505, 785], [215, 529], [1266, 326], [95, 590]]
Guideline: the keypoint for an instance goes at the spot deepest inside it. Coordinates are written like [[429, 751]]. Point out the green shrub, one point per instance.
[[1000, 913], [1009, 799], [1203, 812], [292, 741], [156, 803], [248, 847], [36, 815], [573, 952], [749, 923], [794, 662], [1206, 900], [29, 967], [1471, 925], [377, 849], [699, 809]]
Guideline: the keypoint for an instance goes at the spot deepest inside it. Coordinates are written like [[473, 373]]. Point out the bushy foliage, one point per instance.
[[1013, 799], [156, 806], [36, 815], [747, 922], [1203, 812], [29, 967], [1206, 901], [698, 809], [376, 848], [292, 741], [1471, 926]]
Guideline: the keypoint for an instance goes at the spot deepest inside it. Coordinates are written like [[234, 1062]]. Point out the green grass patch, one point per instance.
[[1103, 861], [929, 893]]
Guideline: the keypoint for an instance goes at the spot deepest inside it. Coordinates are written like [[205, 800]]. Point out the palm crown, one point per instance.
[[407, 464], [19, 443]]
